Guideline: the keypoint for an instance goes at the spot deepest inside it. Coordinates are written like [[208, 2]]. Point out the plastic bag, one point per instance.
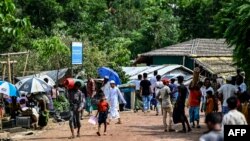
[[92, 120]]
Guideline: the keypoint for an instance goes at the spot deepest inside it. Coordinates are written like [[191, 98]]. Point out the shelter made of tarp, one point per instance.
[[53, 74]]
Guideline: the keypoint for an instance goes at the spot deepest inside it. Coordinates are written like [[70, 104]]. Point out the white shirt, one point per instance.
[[106, 90], [204, 91], [137, 84], [158, 86], [234, 117], [165, 95], [212, 136], [153, 83], [243, 87], [227, 90]]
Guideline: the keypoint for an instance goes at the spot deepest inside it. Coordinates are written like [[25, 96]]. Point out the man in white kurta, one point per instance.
[[114, 93]]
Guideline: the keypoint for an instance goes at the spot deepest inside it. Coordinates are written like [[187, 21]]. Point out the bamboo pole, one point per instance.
[[9, 69], [4, 71], [26, 62], [14, 53]]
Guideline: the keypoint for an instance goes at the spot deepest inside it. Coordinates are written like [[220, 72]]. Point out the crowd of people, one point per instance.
[[36, 106], [223, 104], [107, 106]]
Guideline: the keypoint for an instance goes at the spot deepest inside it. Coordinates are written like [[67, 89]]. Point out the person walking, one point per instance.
[[114, 94], [179, 108], [213, 122], [91, 91], [225, 91], [153, 102], [145, 92], [76, 101], [102, 114], [137, 93], [233, 117], [158, 86], [204, 89], [194, 100], [209, 103], [163, 95], [174, 91]]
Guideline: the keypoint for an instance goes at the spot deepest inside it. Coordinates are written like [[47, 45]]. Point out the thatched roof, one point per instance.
[[222, 66], [196, 48]]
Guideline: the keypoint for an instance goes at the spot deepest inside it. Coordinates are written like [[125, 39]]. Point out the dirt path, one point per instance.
[[135, 127]]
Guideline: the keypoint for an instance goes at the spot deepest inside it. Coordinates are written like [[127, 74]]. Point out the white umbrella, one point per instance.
[[51, 82], [32, 85]]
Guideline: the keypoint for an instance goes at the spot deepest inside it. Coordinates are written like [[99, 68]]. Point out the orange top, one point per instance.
[[209, 105], [103, 106], [194, 97]]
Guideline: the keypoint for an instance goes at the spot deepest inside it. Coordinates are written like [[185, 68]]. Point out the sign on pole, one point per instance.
[[76, 53]]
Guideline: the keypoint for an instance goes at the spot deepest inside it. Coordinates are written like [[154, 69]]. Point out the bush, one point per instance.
[[61, 104]]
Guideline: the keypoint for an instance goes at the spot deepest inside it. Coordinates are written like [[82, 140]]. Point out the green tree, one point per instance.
[[11, 27], [233, 21], [51, 53], [196, 18], [42, 13]]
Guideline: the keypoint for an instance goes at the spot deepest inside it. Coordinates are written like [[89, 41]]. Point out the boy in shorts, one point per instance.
[[102, 114]]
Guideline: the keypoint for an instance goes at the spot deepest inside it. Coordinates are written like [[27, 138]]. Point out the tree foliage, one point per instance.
[[196, 18], [234, 21], [11, 27], [112, 30]]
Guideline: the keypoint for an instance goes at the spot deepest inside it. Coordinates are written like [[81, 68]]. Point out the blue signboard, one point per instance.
[[76, 53]]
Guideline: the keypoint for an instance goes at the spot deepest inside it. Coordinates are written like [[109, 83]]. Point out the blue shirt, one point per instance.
[[174, 91]]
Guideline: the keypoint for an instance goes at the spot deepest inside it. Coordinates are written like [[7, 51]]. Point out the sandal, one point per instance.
[[98, 133], [78, 135], [72, 137], [171, 130]]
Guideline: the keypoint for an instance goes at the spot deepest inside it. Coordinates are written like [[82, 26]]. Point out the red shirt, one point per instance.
[[103, 106], [194, 97]]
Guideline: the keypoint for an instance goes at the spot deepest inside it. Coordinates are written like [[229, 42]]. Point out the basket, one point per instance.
[[23, 122]]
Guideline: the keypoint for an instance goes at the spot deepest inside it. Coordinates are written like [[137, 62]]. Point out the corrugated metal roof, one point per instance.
[[174, 70]]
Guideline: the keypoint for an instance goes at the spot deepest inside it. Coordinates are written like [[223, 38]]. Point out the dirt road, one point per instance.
[[135, 127]]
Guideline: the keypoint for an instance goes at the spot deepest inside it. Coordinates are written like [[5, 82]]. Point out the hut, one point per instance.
[[214, 56]]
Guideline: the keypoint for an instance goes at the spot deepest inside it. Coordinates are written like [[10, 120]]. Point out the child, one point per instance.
[[214, 133], [209, 103], [103, 107]]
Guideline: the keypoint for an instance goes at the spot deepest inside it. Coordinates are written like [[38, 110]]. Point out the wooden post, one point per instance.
[[183, 60], [26, 62], [4, 71], [132, 99], [9, 68]]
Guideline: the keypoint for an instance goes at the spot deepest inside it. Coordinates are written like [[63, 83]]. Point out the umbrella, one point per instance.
[[8, 89], [51, 82], [104, 71], [32, 85]]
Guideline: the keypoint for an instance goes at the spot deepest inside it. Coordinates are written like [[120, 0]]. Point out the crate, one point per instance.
[[23, 122], [9, 124]]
